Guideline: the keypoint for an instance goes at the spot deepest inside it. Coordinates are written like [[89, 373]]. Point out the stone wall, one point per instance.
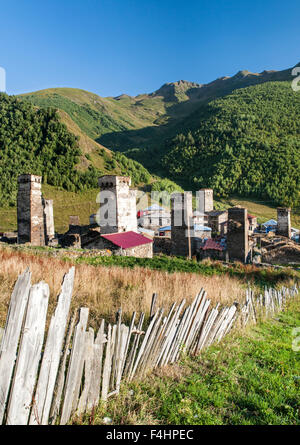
[[142, 251], [211, 254]]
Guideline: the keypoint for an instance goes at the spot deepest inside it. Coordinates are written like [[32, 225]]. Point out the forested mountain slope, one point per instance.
[[37, 141], [246, 143]]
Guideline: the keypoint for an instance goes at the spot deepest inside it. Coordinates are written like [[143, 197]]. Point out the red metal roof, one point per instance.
[[251, 216], [127, 239], [211, 245]]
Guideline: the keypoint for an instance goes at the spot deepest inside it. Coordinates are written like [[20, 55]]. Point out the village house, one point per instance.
[[269, 226], [165, 231], [211, 249], [119, 234], [217, 221], [153, 217], [124, 244], [200, 218], [201, 231]]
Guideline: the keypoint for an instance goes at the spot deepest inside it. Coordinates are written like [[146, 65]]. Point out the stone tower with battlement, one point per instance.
[[237, 234], [117, 205], [181, 221], [30, 214], [284, 222]]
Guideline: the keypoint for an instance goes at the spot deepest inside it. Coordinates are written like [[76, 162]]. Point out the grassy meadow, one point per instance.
[[105, 289], [264, 210], [65, 204], [106, 283]]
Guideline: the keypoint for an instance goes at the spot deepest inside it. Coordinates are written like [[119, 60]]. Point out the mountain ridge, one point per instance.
[[273, 75], [142, 126]]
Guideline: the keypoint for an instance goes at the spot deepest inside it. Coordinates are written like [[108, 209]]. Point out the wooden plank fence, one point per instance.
[[47, 381]]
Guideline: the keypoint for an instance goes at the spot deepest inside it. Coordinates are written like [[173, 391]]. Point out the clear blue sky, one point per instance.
[[134, 46]]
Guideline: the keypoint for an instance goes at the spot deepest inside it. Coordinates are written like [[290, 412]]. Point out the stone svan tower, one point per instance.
[[181, 221], [284, 227], [118, 205], [205, 200], [31, 226], [237, 235]]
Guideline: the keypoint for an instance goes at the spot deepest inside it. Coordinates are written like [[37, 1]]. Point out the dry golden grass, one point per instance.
[[105, 289]]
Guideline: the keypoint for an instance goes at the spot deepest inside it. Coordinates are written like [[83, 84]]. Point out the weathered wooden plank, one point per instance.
[[121, 358], [146, 356], [169, 334], [116, 349], [229, 322], [113, 356], [143, 345], [200, 322], [184, 330], [88, 367], [194, 322], [169, 342], [196, 310], [210, 324], [207, 325], [216, 326], [106, 366], [160, 338], [94, 390], [29, 354], [1, 336], [220, 325], [172, 339], [11, 336], [134, 349], [195, 326], [153, 305], [74, 376], [52, 353], [130, 331], [59, 386]]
